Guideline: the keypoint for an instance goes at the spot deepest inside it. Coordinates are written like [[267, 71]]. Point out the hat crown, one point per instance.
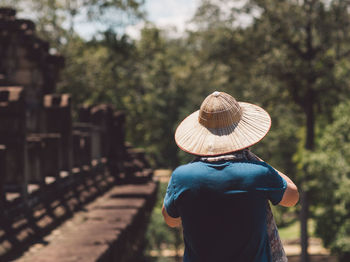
[[219, 110]]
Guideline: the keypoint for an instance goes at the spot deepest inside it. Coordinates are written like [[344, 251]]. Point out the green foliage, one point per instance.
[[331, 165], [291, 231], [155, 103], [292, 59], [159, 236], [98, 71]]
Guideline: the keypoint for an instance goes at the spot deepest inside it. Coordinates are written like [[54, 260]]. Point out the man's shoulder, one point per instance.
[[199, 168], [257, 169], [195, 165], [191, 167], [255, 164]]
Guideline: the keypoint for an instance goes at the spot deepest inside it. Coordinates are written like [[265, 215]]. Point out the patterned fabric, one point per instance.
[[277, 251]]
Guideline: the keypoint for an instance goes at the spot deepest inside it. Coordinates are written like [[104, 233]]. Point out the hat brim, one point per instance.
[[194, 138]]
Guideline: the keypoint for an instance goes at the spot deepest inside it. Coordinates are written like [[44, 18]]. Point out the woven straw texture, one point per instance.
[[222, 126]]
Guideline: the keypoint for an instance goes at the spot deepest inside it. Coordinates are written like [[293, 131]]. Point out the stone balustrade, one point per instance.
[[50, 166]]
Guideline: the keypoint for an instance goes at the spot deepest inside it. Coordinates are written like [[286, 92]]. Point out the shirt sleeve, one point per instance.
[[274, 185], [170, 197]]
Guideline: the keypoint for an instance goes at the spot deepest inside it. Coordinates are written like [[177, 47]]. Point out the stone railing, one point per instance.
[[50, 165]]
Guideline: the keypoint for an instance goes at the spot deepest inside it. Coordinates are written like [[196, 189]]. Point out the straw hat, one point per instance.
[[221, 126]]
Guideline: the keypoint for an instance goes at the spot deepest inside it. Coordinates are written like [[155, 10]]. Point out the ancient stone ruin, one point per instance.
[[50, 166]]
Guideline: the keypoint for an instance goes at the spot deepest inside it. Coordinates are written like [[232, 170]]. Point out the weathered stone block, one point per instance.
[[84, 114], [97, 137], [7, 13], [102, 116], [35, 147], [118, 127], [117, 154], [26, 63], [2, 174], [81, 148], [52, 156], [93, 140], [25, 24], [58, 119], [38, 80], [12, 115], [21, 53], [22, 77]]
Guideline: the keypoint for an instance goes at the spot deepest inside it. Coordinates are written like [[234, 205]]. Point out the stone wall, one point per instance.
[[25, 61], [51, 166]]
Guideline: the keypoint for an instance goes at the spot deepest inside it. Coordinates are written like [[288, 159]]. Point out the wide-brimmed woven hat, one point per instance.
[[221, 126]]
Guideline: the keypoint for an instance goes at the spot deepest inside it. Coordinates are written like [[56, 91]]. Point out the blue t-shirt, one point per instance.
[[223, 209]]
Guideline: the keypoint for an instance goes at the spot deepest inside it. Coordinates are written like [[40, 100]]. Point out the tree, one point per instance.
[[58, 20], [307, 40], [98, 71], [155, 103], [331, 164], [296, 47]]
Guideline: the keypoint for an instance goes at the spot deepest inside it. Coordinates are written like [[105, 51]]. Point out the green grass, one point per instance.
[[292, 231]]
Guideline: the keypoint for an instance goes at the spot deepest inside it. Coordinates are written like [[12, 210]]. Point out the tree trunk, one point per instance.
[[310, 120], [304, 197], [304, 236]]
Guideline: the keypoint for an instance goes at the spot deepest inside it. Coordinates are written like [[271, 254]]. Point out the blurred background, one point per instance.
[[157, 60]]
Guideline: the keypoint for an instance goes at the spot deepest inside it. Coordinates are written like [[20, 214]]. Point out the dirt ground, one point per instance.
[[314, 258], [295, 258]]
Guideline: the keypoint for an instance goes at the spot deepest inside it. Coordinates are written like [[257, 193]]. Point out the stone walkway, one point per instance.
[[109, 229]]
